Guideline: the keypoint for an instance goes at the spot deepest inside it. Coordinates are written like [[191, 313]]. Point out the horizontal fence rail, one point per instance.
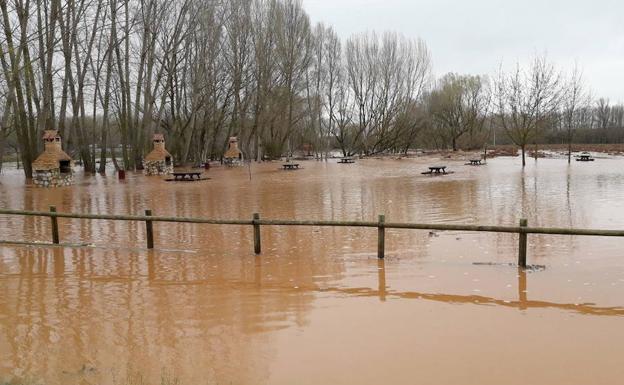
[[256, 222]]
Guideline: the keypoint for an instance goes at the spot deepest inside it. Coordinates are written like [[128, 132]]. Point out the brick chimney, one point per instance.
[[159, 141], [51, 140]]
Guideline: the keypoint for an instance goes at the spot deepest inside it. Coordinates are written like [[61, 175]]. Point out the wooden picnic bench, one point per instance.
[[474, 162], [585, 158], [436, 170], [186, 175], [291, 166], [346, 160]]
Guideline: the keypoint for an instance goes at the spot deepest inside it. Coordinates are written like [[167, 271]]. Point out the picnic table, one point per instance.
[[474, 162], [186, 175], [290, 166], [436, 170], [346, 160], [585, 158]]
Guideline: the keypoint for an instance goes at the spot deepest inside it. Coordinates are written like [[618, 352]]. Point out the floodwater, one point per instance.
[[317, 307]]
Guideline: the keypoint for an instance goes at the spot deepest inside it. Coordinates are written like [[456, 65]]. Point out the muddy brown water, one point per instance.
[[317, 307]]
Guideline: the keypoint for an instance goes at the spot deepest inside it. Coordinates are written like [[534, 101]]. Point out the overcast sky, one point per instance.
[[475, 36]]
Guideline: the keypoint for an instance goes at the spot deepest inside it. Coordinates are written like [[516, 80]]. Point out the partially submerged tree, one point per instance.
[[384, 74], [459, 105], [575, 101], [527, 101]]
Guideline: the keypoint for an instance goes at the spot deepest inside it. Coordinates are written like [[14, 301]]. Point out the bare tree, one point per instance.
[[293, 58], [17, 68], [576, 98], [602, 117], [527, 101], [460, 105], [315, 80], [384, 76]]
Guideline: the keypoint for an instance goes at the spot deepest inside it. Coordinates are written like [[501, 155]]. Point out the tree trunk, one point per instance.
[[2, 141], [523, 155], [2, 145], [4, 123], [107, 91]]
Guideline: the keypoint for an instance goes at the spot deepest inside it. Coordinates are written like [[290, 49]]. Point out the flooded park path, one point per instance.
[[318, 306]]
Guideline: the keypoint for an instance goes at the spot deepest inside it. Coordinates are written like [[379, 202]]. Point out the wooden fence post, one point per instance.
[[55, 230], [256, 228], [149, 229], [522, 246], [381, 237]]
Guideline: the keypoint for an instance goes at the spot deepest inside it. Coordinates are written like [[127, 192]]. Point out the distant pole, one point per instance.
[[149, 229], [522, 247], [535, 154], [256, 227], [55, 230], [381, 237]]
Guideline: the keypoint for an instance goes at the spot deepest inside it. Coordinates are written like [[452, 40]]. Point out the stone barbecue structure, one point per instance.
[[159, 161], [53, 168], [233, 156]]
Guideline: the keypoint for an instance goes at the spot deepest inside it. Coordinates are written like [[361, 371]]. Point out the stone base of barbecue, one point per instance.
[[157, 167], [52, 178]]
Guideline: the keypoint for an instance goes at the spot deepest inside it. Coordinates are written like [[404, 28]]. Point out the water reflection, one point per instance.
[[381, 277], [102, 309], [522, 303]]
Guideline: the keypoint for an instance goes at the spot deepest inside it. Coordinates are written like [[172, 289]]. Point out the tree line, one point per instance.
[[109, 73]]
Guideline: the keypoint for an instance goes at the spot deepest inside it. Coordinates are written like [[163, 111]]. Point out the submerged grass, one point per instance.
[[131, 378], [136, 378]]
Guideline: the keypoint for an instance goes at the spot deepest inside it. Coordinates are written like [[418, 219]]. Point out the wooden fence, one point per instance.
[[522, 229]]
